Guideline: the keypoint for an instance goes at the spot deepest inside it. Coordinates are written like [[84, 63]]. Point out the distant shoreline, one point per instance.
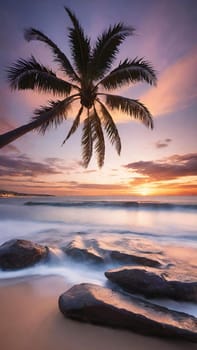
[[8, 194]]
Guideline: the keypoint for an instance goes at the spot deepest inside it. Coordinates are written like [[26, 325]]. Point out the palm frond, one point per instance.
[[87, 141], [80, 45], [98, 138], [137, 70], [107, 47], [110, 127], [134, 108], [29, 74], [59, 56], [53, 114], [74, 125]]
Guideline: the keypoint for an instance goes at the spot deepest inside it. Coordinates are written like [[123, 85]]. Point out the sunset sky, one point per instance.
[[158, 162]]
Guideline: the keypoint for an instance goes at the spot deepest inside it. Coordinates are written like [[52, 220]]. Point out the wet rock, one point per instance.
[[152, 284], [78, 251], [94, 304], [18, 254], [133, 258], [183, 290], [102, 250], [130, 251]]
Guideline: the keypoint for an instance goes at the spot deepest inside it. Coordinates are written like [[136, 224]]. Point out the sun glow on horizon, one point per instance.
[[144, 190]]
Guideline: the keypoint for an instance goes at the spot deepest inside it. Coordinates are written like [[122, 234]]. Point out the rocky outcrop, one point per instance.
[[124, 258], [152, 284], [78, 251], [18, 254], [94, 304], [88, 250]]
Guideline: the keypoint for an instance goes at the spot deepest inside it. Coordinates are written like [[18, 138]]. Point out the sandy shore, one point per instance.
[[30, 320]]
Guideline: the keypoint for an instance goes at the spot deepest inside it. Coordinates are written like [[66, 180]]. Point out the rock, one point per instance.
[[94, 304], [18, 254], [183, 290], [77, 250], [133, 258], [130, 251], [152, 284], [99, 251]]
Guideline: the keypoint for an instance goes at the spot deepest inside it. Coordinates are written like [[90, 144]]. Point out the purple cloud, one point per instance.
[[167, 168], [21, 165], [163, 143]]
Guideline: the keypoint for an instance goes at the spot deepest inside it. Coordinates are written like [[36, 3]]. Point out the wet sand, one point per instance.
[[30, 319]]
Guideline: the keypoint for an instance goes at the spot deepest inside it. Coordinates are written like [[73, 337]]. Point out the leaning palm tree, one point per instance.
[[88, 81]]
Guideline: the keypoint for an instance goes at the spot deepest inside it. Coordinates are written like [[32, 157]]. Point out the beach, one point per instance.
[[30, 319]]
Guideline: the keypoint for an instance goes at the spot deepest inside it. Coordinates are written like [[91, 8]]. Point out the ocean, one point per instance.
[[165, 228]]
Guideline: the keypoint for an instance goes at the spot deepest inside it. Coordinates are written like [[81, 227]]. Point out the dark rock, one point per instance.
[[133, 258], [152, 284], [94, 304], [183, 290], [99, 251], [130, 251], [79, 252], [18, 254]]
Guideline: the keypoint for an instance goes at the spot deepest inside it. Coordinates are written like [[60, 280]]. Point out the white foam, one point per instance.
[[71, 271]]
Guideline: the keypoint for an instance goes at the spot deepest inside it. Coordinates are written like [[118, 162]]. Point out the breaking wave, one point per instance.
[[115, 204]]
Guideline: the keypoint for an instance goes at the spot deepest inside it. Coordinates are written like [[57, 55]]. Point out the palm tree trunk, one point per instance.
[[12, 135]]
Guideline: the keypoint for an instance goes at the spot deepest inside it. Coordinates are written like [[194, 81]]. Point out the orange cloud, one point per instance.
[[175, 175], [176, 87]]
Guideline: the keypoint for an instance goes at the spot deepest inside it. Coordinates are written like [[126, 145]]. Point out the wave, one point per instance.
[[115, 204]]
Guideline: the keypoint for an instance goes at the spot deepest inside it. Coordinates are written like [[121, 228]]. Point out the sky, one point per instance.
[[162, 161]]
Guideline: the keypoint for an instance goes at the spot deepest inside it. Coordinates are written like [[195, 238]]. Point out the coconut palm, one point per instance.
[[88, 81]]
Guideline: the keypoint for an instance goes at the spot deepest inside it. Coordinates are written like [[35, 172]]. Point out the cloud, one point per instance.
[[33, 185], [19, 172], [169, 168], [11, 149], [176, 88], [89, 171], [21, 165], [52, 160], [163, 143], [96, 186]]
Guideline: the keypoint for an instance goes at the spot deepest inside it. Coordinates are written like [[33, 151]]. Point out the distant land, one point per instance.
[[5, 193]]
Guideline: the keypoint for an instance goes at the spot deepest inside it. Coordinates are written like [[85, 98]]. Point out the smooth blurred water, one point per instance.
[[58, 219]]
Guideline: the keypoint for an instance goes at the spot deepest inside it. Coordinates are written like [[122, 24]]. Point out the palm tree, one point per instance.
[[92, 69]]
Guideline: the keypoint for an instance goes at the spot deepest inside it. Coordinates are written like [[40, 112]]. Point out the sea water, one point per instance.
[[115, 221], [58, 219]]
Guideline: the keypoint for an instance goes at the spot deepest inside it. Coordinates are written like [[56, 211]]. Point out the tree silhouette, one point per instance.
[[91, 70]]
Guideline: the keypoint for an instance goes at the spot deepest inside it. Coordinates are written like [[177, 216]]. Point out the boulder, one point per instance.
[[183, 290], [88, 250], [19, 253], [78, 251], [95, 304], [152, 283], [133, 258]]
